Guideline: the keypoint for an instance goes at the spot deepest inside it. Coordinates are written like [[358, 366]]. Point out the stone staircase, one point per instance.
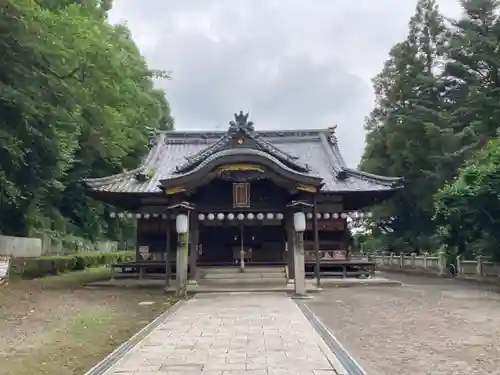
[[252, 276]]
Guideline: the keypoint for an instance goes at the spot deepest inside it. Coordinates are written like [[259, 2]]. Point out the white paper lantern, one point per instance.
[[155, 215], [112, 215], [369, 214], [211, 216], [181, 223], [164, 216], [220, 216], [309, 215], [335, 215], [121, 215], [147, 216], [343, 215], [230, 216], [279, 216], [129, 215], [250, 216], [361, 214], [270, 216], [201, 217], [137, 215], [299, 221], [260, 216], [326, 216], [241, 216]]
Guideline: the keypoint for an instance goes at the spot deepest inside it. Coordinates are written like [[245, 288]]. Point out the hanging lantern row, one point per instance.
[[340, 215], [241, 216], [138, 215]]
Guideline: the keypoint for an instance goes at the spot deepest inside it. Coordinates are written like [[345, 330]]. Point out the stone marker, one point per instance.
[[4, 268]]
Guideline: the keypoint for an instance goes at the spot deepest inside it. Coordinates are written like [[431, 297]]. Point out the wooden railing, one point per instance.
[[325, 255]]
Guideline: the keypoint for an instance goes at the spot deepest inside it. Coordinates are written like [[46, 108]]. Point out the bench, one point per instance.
[[141, 266], [339, 259]]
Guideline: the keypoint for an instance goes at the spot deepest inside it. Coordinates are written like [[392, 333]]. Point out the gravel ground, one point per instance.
[[427, 326], [67, 331]]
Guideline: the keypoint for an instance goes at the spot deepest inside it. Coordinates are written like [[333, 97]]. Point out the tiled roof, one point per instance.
[[315, 149]]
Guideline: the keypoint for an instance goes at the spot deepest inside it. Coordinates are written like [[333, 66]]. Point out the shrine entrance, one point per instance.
[[221, 242]]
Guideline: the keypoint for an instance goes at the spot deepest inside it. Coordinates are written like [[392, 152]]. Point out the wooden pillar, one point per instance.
[[193, 249], [316, 243], [168, 236], [290, 234], [137, 240]]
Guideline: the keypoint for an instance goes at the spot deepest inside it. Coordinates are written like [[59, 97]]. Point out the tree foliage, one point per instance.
[[437, 106], [76, 99], [468, 208], [405, 125]]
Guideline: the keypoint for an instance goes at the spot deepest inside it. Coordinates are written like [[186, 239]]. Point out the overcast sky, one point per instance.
[[291, 63]]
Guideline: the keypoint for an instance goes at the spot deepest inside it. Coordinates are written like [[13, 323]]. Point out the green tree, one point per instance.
[[402, 130], [468, 208], [472, 72], [76, 100]]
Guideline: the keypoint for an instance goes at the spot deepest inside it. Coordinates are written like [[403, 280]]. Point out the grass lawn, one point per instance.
[[54, 326]]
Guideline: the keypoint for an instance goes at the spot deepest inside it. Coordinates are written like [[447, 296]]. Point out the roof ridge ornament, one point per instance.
[[153, 134], [241, 122], [332, 137]]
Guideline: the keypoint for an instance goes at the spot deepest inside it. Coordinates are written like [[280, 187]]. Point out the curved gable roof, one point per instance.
[[314, 153]]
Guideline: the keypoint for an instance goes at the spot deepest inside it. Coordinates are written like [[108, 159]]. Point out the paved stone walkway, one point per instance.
[[252, 334]]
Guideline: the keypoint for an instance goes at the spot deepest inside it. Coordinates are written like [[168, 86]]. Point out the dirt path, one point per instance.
[[427, 327], [63, 332]]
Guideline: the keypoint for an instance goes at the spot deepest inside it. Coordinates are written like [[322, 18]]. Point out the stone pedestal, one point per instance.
[[182, 265], [299, 265]]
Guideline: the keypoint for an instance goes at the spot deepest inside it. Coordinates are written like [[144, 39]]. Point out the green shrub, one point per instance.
[[30, 268]]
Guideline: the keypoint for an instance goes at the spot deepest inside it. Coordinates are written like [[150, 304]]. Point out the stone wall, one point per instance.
[[19, 247], [479, 269], [25, 247]]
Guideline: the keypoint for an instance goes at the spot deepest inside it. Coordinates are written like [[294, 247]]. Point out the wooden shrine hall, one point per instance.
[[243, 198]]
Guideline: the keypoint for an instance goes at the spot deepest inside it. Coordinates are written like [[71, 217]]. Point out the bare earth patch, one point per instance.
[[434, 327], [49, 329]]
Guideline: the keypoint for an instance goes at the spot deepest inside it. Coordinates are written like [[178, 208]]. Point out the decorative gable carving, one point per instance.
[[241, 134]]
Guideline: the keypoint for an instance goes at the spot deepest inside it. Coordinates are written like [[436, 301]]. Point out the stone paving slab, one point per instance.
[[230, 334]]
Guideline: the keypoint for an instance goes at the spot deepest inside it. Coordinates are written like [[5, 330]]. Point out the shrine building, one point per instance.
[[242, 198]]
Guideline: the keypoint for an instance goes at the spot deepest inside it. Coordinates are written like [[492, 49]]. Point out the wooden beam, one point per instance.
[[137, 239], [167, 253], [194, 235], [290, 238], [316, 241]]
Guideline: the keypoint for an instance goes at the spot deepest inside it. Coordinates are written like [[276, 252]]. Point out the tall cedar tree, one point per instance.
[[467, 208], [404, 130]]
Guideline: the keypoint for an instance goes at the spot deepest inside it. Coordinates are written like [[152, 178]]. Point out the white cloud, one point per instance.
[[291, 63]]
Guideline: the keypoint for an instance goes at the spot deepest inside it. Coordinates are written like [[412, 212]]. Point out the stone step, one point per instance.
[[244, 275], [236, 270], [243, 283]]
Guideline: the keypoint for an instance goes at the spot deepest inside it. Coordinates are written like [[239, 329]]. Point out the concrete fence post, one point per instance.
[[479, 266], [413, 256], [391, 259], [425, 260], [402, 260], [459, 265], [442, 263]]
